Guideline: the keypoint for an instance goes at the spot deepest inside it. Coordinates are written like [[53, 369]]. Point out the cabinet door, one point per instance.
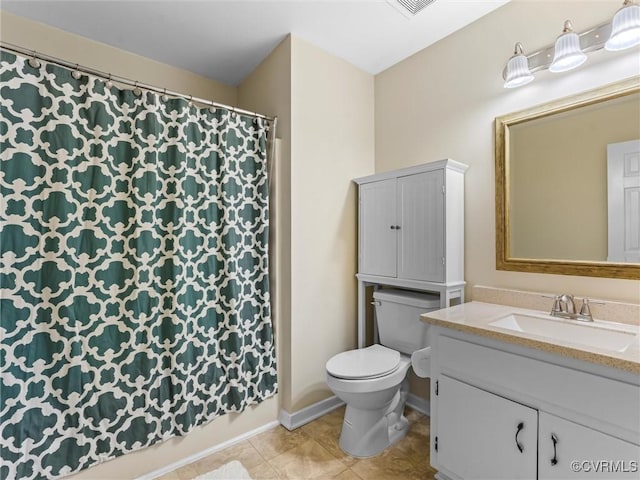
[[483, 436], [378, 240], [421, 221], [581, 452]]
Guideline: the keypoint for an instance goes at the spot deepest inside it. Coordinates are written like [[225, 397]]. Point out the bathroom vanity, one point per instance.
[[519, 394]]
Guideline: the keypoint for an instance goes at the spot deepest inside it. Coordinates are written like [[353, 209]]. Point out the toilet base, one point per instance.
[[366, 433]]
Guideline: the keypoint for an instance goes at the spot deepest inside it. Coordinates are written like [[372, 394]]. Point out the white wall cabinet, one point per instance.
[[411, 232], [403, 228], [490, 399]]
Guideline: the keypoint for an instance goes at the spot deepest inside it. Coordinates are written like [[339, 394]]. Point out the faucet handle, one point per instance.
[[585, 310], [557, 307], [556, 303]]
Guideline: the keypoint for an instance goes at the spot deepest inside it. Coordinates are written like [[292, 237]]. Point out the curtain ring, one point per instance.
[[76, 73], [212, 108], [33, 61], [165, 97], [190, 100], [109, 83], [136, 90]]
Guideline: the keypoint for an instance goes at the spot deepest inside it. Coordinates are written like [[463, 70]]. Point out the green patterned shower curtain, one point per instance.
[[133, 268]]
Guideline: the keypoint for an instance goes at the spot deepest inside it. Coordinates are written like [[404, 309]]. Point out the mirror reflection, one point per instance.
[[574, 184]]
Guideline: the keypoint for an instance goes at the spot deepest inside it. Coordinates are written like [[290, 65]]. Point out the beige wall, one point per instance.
[[332, 142], [558, 179], [55, 42], [73, 48], [325, 122], [442, 102], [268, 89]]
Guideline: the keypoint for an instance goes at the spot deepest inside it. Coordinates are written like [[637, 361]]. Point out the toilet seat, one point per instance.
[[364, 363]]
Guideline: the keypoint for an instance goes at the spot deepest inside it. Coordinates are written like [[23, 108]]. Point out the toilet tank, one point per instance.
[[398, 318]]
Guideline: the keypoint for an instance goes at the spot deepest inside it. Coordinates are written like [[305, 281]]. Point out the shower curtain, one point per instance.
[[134, 271]]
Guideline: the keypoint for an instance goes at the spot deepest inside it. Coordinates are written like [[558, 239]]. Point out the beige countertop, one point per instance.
[[475, 317]]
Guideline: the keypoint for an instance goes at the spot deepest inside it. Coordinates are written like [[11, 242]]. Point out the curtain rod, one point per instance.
[[123, 80]]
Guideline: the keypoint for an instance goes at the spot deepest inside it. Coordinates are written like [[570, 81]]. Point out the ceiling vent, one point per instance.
[[410, 8]]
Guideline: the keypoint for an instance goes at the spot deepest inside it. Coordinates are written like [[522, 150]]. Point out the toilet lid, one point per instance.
[[370, 362]]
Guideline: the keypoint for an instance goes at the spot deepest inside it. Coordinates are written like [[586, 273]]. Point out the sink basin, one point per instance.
[[600, 335]]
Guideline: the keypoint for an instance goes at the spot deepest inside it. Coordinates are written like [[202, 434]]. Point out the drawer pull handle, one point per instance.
[[518, 444], [554, 439]]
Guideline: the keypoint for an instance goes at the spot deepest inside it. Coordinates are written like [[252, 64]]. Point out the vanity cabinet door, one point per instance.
[[378, 233], [421, 222], [481, 435], [573, 451]]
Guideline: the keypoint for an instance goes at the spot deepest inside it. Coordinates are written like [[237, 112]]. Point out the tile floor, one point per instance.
[[312, 452]]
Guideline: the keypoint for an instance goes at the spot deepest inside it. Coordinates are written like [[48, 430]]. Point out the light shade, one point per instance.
[[517, 73], [567, 52], [625, 28]]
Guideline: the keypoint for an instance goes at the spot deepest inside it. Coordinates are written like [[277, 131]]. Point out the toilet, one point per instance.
[[373, 381]]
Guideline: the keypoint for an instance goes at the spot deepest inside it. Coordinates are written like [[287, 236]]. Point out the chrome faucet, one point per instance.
[[566, 304], [565, 307]]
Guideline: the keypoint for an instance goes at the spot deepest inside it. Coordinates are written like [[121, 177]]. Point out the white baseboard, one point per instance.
[[291, 421], [209, 451], [419, 404]]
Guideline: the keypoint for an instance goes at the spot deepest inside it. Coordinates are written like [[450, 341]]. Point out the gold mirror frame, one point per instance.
[[504, 261]]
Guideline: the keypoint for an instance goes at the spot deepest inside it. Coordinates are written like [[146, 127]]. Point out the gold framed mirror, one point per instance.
[[558, 185]]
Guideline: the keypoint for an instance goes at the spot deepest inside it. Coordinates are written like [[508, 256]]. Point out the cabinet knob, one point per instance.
[[397, 227], [392, 227]]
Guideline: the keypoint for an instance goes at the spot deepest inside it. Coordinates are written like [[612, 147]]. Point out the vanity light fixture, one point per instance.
[[570, 48], [567, 52]]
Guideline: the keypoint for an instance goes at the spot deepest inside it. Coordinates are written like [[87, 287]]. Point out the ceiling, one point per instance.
[[226, 40]]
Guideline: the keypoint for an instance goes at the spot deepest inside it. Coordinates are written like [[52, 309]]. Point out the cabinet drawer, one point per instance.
[[606, 404]]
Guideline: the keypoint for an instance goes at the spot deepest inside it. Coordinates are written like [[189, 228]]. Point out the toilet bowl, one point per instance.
[[375, 400], [372, 381]]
